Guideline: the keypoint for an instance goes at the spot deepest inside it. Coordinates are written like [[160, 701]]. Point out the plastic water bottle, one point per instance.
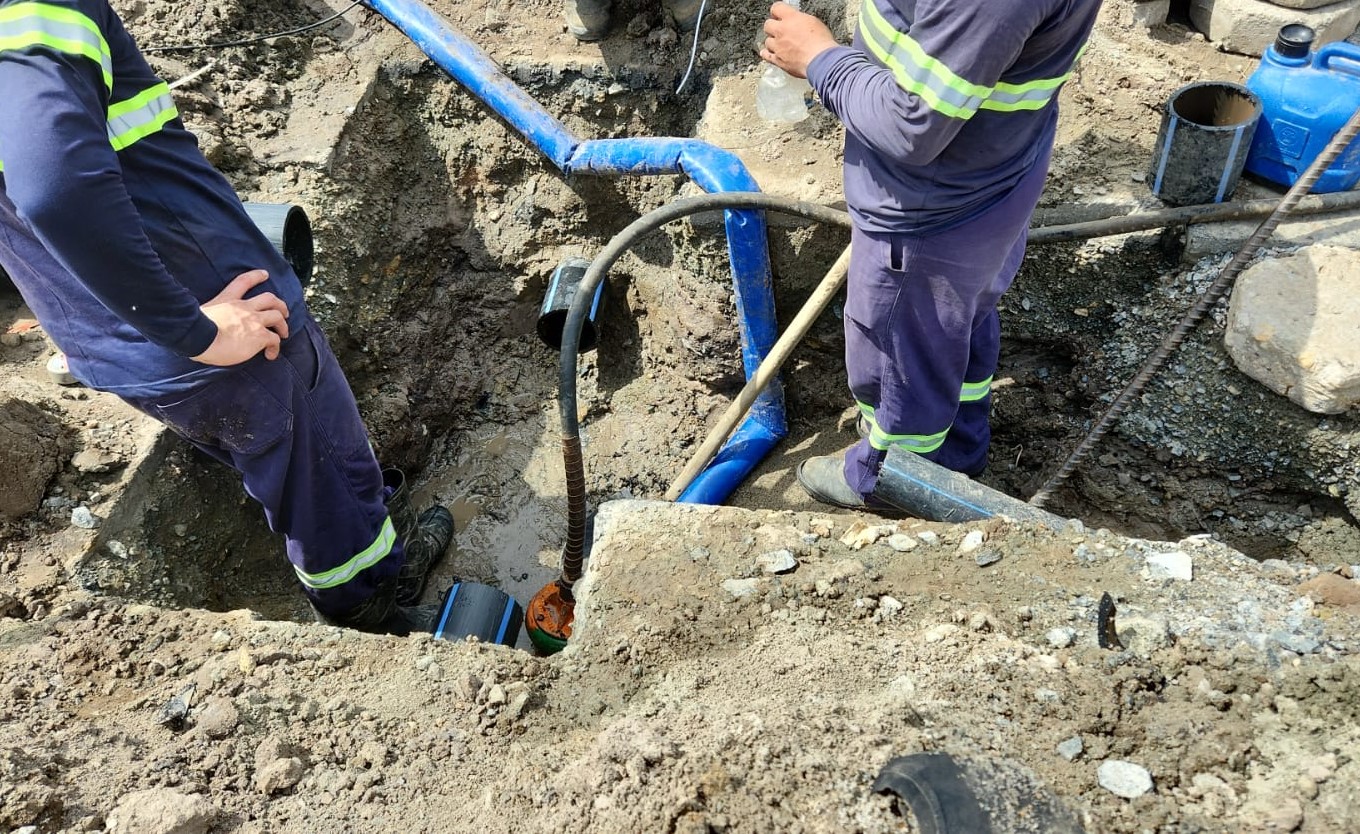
[[779, 96]]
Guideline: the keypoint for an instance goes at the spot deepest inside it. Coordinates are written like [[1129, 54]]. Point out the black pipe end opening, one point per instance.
[[298, 247], [562, 289]]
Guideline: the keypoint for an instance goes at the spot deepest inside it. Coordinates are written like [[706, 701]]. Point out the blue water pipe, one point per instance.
[[711, 168]]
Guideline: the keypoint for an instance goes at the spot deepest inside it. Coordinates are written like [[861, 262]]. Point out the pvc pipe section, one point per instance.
[[712, 169], [928, 490]]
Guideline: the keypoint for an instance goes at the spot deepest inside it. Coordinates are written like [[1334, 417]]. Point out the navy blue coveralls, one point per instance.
[[116, 230], [950, 111]]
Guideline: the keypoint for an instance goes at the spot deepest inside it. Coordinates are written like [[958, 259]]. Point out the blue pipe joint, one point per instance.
[[715, 170]]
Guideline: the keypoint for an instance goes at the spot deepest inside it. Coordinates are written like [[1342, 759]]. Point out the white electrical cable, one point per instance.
[[193, 76], [694, 50]]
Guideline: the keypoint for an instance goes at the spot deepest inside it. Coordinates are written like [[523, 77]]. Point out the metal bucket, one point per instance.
[[1206, 131]]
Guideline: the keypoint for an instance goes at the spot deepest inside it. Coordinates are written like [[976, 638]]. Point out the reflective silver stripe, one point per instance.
[[23, 25], [923, 75], [370, 556], [140, 116], [974, 391]]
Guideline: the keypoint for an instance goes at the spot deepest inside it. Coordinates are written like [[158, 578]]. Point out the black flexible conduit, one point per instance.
[[573, 553], [1197, 313]]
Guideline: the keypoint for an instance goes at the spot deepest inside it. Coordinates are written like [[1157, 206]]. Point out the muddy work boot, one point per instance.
[[380, 614], [823, 478], [685, 13], [587, 20], [424, 537]]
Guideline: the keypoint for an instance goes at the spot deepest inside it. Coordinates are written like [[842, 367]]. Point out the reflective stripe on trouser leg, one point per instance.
[[291, 428], [912, 309]]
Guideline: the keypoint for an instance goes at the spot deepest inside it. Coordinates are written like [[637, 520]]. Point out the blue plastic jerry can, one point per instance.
[[1306, 97]]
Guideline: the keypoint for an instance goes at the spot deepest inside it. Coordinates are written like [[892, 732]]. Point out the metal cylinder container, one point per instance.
[[1206, 131]]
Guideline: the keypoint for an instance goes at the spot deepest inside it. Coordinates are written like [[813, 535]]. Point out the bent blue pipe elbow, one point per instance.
[[713, 169], [742, 452]]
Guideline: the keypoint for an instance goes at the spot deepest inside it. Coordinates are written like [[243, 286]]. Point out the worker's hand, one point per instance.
[[793, 39], [245, 326]]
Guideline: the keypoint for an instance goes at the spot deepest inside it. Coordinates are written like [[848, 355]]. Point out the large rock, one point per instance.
[[30, 452], [162, 811], [1249, 26], [1291, 327]]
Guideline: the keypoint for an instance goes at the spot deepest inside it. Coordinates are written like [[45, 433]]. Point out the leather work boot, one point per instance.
[[685, 13], [424, 537], [380, 614], [823, 478], [587, 20]]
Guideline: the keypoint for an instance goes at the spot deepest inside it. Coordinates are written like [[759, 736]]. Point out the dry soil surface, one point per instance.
[[733, 669]]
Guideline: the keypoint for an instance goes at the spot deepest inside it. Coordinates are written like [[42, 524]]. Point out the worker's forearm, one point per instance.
[[876, 110]]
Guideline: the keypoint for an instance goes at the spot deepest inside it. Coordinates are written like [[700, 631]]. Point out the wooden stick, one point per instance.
[[768, 370]]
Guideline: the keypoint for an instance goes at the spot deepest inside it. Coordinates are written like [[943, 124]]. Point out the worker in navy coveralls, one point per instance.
[[950, 109], [142, 265]]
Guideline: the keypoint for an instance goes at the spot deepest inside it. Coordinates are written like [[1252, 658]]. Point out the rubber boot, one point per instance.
[[587, 20], [424, 537], [380, 614], [685, 13]]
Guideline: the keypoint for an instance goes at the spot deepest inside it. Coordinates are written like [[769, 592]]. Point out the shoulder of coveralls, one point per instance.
[[97, 10]]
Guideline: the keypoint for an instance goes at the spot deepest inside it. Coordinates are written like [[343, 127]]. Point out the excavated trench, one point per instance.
[[437, 229]]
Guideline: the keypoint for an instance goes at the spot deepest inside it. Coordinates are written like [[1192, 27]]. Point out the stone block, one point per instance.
[[1337, 229], [1149, 13], [1291, 327], [1249, 26]]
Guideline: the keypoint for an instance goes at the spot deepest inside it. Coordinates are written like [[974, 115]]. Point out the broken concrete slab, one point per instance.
[[1149, 13], [1249, 26], [1338, 229], [1291, 327]]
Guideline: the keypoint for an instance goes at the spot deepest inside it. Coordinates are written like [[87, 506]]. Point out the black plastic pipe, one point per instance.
[[573, 553], [1190, 215], [929, 491]]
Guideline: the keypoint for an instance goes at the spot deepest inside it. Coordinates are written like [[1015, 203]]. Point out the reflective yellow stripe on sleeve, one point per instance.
[[23, 25], [974, 391], [140, 116], [937, 85]]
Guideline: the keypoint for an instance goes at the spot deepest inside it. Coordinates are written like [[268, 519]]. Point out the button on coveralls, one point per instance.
[[950, 109], [116, 229]]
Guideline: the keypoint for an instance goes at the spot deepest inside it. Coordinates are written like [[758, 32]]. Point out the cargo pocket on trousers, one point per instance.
[[235, 413]]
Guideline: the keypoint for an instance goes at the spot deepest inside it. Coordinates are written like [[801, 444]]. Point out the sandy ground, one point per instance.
[[158, 674]]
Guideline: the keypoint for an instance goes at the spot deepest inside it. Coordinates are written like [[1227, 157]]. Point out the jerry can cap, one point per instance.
[[1295, 40]]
